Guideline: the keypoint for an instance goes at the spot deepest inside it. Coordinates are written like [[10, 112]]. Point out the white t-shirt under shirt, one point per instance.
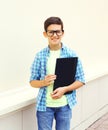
[[51, 70]]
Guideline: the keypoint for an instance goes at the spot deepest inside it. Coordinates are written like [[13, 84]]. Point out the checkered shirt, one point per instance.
[[38, 72]]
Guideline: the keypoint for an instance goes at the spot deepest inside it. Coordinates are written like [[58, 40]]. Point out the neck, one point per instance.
[[55, 47]]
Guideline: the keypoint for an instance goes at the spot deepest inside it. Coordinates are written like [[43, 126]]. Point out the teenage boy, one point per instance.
[[54, 104]]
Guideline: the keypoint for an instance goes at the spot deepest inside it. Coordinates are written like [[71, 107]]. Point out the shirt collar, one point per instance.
[[48, 49]]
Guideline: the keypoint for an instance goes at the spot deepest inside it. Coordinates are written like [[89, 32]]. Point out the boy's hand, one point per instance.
[[58, 93], [49, 79]]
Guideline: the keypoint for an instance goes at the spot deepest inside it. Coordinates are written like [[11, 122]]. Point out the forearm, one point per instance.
[[74, 86], [49, 79], [59, 92], [37, 83]]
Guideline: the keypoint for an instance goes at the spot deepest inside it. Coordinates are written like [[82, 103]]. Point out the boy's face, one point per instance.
[[54, 34]]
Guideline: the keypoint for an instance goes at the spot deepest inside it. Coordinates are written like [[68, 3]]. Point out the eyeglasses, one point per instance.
[[50, 33]]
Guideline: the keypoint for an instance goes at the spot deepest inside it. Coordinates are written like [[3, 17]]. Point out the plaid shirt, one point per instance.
[[38, 72]]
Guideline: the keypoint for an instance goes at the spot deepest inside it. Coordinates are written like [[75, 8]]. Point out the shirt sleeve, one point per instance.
[[80, 72], [35, 69]]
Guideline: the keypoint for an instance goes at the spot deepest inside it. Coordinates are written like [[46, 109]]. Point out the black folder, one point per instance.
[[65, 71]]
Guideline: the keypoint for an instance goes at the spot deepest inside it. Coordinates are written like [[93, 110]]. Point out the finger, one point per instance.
[[54, 92], [56, 96], [52, 77]]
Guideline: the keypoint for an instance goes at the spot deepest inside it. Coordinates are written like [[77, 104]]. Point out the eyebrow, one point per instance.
[[54, 30]]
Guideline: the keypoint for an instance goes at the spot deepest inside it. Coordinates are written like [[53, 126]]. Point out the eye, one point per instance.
[[59, 32], [51, 32]]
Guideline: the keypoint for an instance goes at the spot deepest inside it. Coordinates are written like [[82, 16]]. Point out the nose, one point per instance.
[[54, 33]]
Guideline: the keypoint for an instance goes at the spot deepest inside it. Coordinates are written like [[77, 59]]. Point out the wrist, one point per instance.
[[66, 89], [43, 82]]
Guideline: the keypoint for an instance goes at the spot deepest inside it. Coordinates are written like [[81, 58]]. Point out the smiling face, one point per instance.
[[54, 34]]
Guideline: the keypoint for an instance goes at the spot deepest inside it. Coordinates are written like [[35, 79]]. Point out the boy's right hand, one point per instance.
[[49, 79]]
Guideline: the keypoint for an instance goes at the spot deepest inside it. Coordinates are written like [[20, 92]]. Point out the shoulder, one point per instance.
[[69, 51], [41, 53]]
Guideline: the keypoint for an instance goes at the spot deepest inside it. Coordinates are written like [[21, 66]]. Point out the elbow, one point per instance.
[[32, 84], [82, 84]]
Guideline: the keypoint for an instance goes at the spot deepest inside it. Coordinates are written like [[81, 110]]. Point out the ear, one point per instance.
[[63, 33], [45, 34]]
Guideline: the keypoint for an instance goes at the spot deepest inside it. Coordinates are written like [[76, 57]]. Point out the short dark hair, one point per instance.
[[52, 20]]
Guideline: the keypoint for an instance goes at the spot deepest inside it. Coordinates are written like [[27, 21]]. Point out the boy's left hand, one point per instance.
[[58, 93]]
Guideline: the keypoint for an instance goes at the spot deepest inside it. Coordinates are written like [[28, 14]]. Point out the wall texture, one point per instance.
[[21, 28]]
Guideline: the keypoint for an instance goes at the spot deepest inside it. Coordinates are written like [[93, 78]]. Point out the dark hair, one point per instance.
[[52, 20]]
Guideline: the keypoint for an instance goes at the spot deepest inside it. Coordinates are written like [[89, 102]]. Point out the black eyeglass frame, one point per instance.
[[50, 33]]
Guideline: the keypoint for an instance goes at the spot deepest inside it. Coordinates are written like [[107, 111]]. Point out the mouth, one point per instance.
[[55, 39]]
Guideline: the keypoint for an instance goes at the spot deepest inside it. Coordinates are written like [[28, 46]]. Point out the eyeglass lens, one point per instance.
[[51, 32]]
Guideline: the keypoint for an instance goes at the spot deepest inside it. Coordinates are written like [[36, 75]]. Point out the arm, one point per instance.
[[49, 79], [74, 86], [37, 83], [59, 92]]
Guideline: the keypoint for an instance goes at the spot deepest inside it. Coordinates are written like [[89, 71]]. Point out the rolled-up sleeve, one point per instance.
[[80, 76], [35, 69]]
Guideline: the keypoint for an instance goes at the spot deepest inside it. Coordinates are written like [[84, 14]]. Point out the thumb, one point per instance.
[[54, 92]]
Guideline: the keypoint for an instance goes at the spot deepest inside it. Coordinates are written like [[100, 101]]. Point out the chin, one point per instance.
[[55, 42]]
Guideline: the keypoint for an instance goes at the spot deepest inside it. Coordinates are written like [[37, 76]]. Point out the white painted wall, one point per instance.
[[21, 27]]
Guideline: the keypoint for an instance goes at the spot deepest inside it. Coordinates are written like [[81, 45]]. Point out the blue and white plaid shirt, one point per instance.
[[38, 72]]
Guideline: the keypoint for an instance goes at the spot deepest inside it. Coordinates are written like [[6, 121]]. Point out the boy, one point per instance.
[[54, 104]]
